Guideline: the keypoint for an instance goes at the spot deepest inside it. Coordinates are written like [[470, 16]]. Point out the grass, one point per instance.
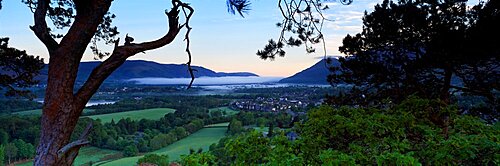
[[228, 110], [152, 114], [201, 139], [39, 112], [218, 125], [89, 154]]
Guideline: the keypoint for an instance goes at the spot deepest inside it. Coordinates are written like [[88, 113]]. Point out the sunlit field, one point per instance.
[[151, 114]]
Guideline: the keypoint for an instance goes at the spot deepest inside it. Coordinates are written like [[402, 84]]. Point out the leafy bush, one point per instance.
[[416, 132], [159, 160], [130, 150], [198, 159]]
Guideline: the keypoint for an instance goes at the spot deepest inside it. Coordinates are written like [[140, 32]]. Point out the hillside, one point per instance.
[[315, 74], [141, 69]]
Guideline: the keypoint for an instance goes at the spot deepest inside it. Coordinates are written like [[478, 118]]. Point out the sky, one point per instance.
[[219, 40]]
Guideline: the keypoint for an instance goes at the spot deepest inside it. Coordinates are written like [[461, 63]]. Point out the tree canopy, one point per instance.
[[432, 49], [402, 135], [18, 70]]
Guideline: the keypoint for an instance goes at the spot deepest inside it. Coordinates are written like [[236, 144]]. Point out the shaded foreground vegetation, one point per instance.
[[405, 134]]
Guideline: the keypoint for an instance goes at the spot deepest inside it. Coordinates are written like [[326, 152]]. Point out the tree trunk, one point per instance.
[[60, 112], [445, 97], [445, 92], [62, 107]]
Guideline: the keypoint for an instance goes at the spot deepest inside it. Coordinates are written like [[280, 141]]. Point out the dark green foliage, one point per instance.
[[198, 159], [2, 155], [424, 48], [23, 128], [406, 134], [250, 148], [10, 152], [130, 150], [330, 157], [11, 105], [159, 160], [17, 70], [25, 150], [261, 122], [4, 137], [235, 127]]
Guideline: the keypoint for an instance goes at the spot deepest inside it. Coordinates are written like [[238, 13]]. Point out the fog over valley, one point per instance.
[[205, 80]]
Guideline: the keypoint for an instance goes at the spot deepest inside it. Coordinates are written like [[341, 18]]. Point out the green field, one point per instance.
[[152, 114], [228, 110], [201, 139], [39, 112], [89, 154], [218, 125]]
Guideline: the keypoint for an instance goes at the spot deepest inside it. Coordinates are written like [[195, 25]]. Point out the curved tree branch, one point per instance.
[[85, 25], [121, 53], [40, 28]]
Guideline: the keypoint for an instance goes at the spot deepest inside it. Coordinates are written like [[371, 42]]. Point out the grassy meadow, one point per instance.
[[201, 139], [152, 114]]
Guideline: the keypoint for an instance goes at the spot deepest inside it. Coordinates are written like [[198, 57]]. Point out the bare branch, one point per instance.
[[82, 141], [173, 19], [69, 147], [40, 28], [121, 53], [188, 41]]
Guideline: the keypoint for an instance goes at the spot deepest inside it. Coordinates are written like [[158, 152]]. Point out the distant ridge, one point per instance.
[[141, 69], [316, 74]]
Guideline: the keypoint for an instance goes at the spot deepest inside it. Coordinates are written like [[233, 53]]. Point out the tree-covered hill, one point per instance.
[[141, 69], [316, 74]]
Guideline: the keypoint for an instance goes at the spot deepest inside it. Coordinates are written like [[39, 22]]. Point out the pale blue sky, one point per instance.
[[220, 41]]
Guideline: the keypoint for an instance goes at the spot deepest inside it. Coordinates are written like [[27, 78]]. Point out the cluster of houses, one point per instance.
[[272, 104]]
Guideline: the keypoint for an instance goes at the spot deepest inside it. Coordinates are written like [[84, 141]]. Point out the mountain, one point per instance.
[[315, 74], [141, 69]]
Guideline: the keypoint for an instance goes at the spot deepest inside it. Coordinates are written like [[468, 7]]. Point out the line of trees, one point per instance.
[[180, 103], [16, 150], [8, 106]]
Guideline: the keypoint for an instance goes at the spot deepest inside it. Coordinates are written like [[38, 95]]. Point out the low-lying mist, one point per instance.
[[205, 80]]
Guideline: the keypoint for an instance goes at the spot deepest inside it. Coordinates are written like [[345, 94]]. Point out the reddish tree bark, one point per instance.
[[62, 107]]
